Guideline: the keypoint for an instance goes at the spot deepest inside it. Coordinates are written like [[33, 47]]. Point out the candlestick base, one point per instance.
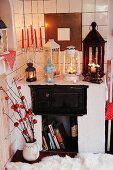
[[93, 80]]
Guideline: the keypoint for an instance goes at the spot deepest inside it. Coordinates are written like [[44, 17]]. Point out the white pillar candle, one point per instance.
[[93, 68]]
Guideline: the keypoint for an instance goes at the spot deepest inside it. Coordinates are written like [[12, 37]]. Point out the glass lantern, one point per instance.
[[52, 49], [3, 38], [49, 70], [30, 73], [72, 63]]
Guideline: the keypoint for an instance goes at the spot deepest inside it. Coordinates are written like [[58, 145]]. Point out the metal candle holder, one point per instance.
[[93, 77]]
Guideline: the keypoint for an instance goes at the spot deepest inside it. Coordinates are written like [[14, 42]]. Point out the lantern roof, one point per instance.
[[94, 36], [51, 44], [2, 24]]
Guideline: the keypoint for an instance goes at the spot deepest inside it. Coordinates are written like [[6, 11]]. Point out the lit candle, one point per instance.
[[89, 64], [93, 68], [98, 65], [40, 36], [32, 40], [27, 37], [22, 38], [36, 45], [30, 74]]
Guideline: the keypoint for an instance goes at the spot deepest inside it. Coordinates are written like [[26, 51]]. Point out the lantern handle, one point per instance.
[[93, 25]]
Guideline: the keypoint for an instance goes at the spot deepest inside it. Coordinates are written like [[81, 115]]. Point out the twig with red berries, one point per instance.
[[25, 122]]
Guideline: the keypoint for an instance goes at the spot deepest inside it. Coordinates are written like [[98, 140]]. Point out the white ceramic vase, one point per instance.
[[31, 151]]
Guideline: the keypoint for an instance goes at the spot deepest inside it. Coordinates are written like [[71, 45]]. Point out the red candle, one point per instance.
[[36, 45], [27, 37], [32, 40], [22, 38], [40, 37]]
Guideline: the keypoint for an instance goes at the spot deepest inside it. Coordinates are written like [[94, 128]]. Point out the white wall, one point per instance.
[[110, 30], [7, 17]]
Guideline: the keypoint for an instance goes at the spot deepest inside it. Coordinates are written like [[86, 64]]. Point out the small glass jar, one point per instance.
[[49, 70], [30, 73]]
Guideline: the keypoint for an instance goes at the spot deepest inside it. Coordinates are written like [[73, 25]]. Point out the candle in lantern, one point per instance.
[[22, 38], [93, 68], [89, 64], [27, 37], [32, 40], [35, 36], [98, 65], [40, 36]]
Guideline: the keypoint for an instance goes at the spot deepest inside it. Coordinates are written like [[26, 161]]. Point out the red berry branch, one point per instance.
[[23, 117]]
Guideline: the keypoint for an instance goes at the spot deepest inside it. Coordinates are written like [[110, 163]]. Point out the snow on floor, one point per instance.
[[80, 162]]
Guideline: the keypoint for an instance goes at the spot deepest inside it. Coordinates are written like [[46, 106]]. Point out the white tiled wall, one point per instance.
[[92, 10], [88, 6], [75, 6]]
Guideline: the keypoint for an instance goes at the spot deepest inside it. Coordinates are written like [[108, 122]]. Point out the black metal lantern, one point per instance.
[[93, 50], [30, 73]]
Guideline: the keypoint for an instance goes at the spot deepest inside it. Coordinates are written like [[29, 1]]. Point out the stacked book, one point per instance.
[[54, 136]]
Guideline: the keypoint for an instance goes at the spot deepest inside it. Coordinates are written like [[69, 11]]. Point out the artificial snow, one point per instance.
[[84, 161]]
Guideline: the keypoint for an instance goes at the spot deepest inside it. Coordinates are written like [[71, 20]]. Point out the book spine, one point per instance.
[[74, 132], [59, 138], [53, 136], [44, 143], [51, 140], [74, 127], [44, 133]]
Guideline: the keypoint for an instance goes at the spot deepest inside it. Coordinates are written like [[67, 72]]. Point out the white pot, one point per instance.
[[31, 151]]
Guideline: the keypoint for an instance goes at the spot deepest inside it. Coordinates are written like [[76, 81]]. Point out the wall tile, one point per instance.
[[75, 6], [28, 19], [19, 45], [19, 34], [103, 31], [101, 5], [40, 7], [41, 19], [21, 19], [20, 7], [102, 18], [43, 32], [34, 7], [85, 31], [15, 6], [88, 5], [87, 18], [62, 6], [50, 6], [27, 7], [35, 20], [17, 21]]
